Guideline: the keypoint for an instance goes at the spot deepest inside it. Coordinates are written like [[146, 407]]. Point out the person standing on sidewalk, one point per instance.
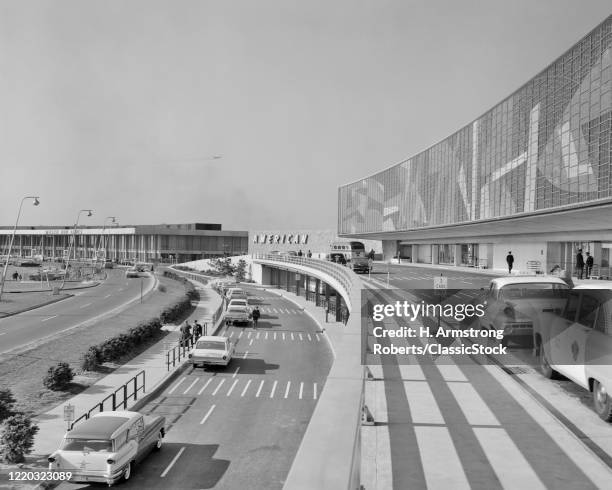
[[589, 265], [510, 261], [579, 264], [197, 331]]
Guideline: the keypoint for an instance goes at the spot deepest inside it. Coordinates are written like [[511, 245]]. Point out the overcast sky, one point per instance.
[[126, 106]]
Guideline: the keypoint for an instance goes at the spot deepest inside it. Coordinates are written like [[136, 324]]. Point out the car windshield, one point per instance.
[[88, 445], [534, 290], [210, 344], [238, 302]]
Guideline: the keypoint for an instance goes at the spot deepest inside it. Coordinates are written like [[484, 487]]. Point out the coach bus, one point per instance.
[[351, 254]]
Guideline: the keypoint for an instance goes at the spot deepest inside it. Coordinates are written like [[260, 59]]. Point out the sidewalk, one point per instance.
[[52, 425]]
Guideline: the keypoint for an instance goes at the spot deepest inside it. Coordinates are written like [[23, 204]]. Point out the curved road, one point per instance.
[[33, 326], [241, 426]]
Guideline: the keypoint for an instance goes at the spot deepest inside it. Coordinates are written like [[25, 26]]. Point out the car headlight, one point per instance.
[[509, 312], [224, 358], [190, 356], [110, 461]]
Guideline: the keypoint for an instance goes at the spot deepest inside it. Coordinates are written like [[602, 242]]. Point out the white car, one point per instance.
[[237, 314], [241, 302], [578, 343], [130, 273], [212, 350], [514, 305]]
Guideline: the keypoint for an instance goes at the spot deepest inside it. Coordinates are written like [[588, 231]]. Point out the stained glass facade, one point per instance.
[[545, 147]]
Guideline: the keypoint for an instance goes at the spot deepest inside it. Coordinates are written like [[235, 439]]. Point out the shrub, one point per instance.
[[7, 402], [58, 377], [17, 438], [91, 359], [161, 288]]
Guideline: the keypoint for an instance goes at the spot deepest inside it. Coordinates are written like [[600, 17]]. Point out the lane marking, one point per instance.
[[300, 336], [48, 318], [172, 462], [218, 386], [245, 388], [229, 392], [207, 414], [292, 338], [315, 391], [274, 335], [249, 335], [435, 445], [273, 389], [204, 387], [505, 458], [241, 334], [3, 333], [318, 338], [259, 389], [245, 354], [287, 389], [301, 389], [266, 335], [309, 338], [251, 342], [472, 405], [236, 372], [231, 334], [85, 305], [191, 385], [107, 296], [257, 336], [283, 335], [422, 404], [177, 385]]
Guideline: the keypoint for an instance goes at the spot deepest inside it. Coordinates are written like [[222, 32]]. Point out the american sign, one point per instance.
[[287, 238]]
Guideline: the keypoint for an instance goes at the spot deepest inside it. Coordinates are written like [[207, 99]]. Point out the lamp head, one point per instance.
[[36, 201], [89, 213]]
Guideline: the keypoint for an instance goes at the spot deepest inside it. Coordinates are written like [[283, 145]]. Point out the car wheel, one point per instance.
[[128, 471], [602, 401], [545, 368], [160, 440]]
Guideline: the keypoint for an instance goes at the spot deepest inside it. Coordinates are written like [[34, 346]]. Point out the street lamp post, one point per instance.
[[8, 257], [72, 242], [102, 241]]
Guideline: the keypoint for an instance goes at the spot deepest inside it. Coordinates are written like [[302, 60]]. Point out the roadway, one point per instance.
[[475, 422], [31, 327], [241, 426]]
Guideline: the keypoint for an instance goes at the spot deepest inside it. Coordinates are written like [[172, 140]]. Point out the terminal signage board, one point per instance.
[[290, 238]]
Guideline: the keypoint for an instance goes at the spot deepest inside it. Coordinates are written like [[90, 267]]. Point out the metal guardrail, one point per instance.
[[115, 401]]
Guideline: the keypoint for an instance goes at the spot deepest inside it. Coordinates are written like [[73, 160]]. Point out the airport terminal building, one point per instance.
[[148, 243], [532, 175]]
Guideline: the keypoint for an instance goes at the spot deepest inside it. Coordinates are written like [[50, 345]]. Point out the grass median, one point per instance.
[[23, 372]]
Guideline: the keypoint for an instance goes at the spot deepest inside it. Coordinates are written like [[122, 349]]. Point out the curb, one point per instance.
[[45, 290], [56, 300], [159, 387]]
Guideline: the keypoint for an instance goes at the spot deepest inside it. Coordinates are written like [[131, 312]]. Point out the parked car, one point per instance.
[[212, 350], [242, 302], [578, 344], [514, 305], [132, 272], [105, 447]]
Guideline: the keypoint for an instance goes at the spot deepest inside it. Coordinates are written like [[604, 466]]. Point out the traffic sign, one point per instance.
[[68, 413], [441, 282]]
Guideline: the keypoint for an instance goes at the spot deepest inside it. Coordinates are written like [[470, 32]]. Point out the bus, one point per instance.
[[351, 254]]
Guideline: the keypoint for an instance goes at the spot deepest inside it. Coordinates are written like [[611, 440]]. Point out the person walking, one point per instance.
[[510, 261], [300, 253], [579, 264], [197, 331], [256, 315], [185, 334], [589, 265], [309, 254]]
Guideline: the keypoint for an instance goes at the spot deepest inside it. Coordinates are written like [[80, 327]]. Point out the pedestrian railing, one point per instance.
[[119, 398]]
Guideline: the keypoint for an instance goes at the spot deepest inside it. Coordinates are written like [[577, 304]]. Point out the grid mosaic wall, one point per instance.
[[545, 146]]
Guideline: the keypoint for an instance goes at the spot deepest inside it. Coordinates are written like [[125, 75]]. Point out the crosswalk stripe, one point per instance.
[[301, 389], [273, 389], [287, 389], [259, 389], [177, 385], [274, 335], [300, 336], [436, 445], [249, 335], [283, 335], [450, 372], [266, 335], [318, 339], [509, 464], [205, 385], [207, 414], [473, 406], [236, 372], [218, 386], [245, 354], [241, 332], [257, 336], [229, 392], [231, 334], [191, 385], [411, 372], [309, 337], [292, 338], [245, 388], [251, 342], [314, 391], [422, 404]]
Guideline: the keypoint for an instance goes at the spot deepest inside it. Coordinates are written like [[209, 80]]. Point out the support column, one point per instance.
[[414, 253], [435, 254], [457, 254]]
